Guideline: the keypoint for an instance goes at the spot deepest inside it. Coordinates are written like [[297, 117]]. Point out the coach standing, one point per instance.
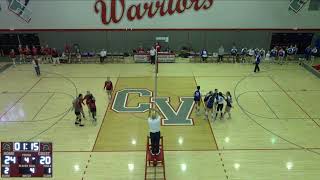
[[220, 54], [154, 129], [257, 62]]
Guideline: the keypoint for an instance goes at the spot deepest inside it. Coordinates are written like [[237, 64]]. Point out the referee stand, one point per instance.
[[154, 164]]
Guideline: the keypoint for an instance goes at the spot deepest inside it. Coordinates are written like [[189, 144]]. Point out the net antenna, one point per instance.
[[163, 39]]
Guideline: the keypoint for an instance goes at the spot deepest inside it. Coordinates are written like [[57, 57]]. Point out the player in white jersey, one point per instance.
[[219, 101]]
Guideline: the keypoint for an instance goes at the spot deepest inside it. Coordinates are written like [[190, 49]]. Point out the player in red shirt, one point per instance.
[[87, 99], [21, 54], [12, 56], [108, 87], [34, 52], [157, 47], [27, 53], [67, 52], [55, 56], [92, 107], [47, 51]]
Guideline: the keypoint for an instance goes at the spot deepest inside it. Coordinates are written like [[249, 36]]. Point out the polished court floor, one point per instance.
[[273, 133]]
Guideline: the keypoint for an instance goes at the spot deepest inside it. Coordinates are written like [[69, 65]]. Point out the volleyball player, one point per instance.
[[12, 56], [92, 107], [55, 56], [273, 54], [108, 87], [21, 54], [87, 100], [262, 53], [290, 52], [47, 56], [251, 54], [228, 99], [243, 55], [204, 55], [295, 51], [314, 53], [42, 53], [27, 53], [219, 102], [197, 98], [215, 96], [34, 52], [77, 109], [281, 55], [36, 66], [208, 105], [234, 52]]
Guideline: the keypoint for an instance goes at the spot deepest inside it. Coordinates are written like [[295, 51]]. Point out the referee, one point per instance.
[[154, 129], [153, 55]]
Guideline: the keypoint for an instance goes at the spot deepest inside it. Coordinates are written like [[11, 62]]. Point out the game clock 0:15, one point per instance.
[[26, 159]]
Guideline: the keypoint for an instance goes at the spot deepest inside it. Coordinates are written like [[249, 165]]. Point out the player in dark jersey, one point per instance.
[[92, 107], [197, 98], [108, 86], [205, 100], [273, 54], [209, 105], [229, 104], [290, 52]]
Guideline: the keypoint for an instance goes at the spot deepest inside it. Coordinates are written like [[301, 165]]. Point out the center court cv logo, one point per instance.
[[171, 116], [19, 8]]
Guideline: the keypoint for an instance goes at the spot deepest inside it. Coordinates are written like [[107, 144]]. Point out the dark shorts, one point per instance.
[[77, 113], [93, 110], [196, 99], [209, 106], [219, 107]]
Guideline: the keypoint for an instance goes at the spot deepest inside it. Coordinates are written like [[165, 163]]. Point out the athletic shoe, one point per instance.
[[81, 125], [76, 123]]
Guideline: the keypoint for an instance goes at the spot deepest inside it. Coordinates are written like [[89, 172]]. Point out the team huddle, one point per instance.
[[90, 101], [214, 103]]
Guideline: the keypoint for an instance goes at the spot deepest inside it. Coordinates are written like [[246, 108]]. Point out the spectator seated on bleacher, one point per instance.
[[140, 50], [85, 54], [92, 54], [204, 55]]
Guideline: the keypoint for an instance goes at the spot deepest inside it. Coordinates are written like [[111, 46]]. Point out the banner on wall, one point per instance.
[[155, 14]]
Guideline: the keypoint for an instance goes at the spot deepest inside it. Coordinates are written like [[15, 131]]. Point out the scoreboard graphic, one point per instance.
[[26, 159]]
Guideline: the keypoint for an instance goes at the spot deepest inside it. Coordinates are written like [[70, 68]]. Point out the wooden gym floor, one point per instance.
[[273, 134]]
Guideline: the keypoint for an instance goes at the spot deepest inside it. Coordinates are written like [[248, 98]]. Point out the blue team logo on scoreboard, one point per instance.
[[19, 8]]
